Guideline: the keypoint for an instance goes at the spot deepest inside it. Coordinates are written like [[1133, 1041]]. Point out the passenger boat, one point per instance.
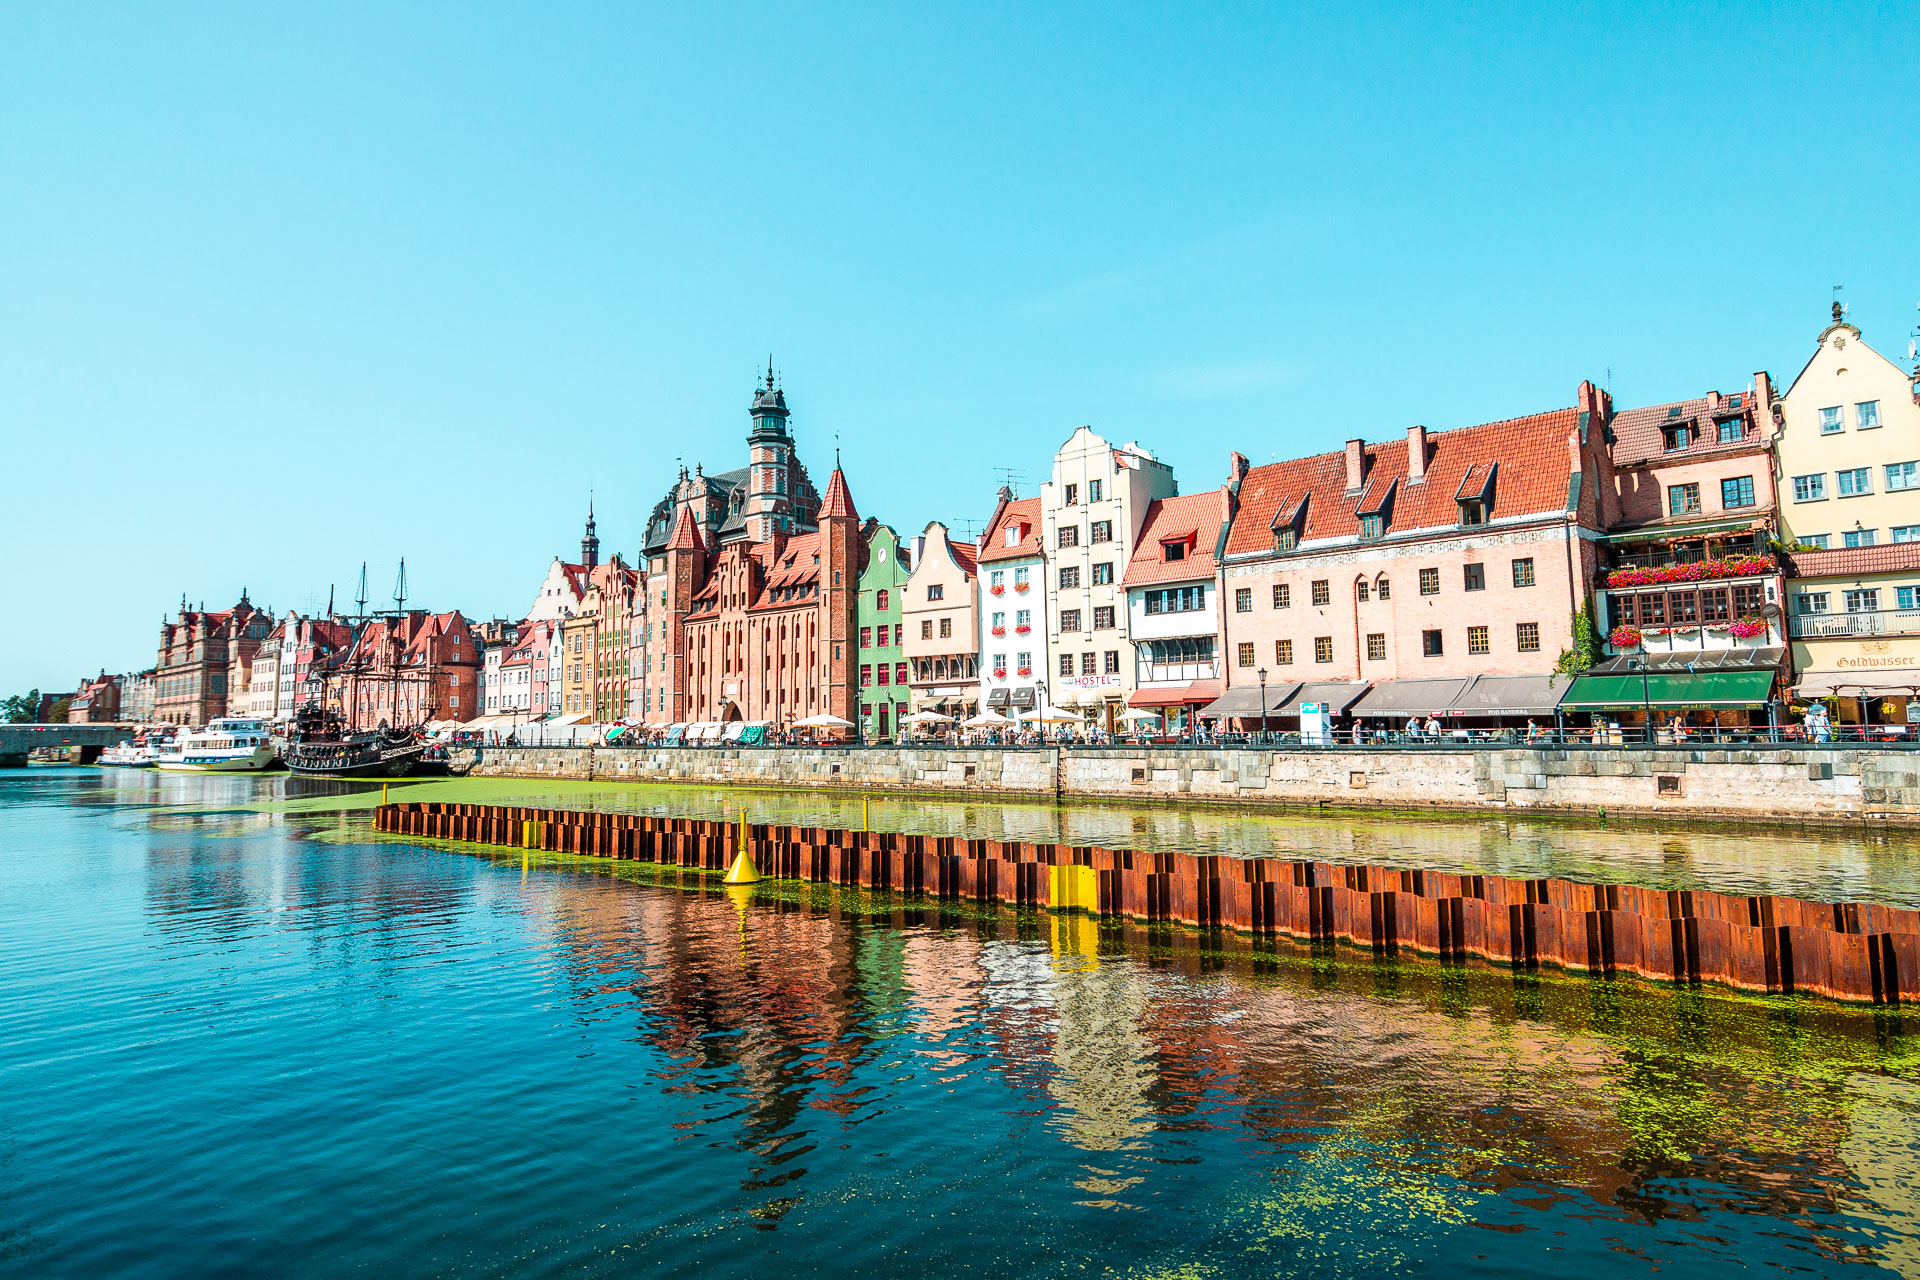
[[389, 753], [143, 751], [230, 744]]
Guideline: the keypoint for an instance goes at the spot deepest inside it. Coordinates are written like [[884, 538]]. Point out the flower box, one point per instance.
[[1000, 673], [1021, 586], [1022, 630], [1748, 628], [997, 589], [1026, 671], [997, 631], [1624, 637], [1698, 571]]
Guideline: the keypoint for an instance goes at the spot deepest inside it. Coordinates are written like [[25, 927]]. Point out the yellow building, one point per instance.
[[1847, 459]]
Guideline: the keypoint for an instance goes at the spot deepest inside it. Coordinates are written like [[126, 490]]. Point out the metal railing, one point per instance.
[[1865, 622]]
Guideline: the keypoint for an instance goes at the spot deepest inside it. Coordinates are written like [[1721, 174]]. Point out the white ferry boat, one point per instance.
[[143, 752], [227, 745]]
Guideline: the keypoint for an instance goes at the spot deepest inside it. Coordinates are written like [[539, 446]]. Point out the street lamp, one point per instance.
[[1646, 699], [1263, 704]]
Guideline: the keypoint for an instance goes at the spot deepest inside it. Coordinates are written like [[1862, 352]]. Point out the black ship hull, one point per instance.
[[353, 760]]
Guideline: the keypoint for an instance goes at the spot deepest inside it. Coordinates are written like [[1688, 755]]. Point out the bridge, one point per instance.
[[18, 739]]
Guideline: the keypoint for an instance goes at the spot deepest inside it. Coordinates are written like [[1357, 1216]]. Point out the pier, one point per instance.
[[1855, 952]]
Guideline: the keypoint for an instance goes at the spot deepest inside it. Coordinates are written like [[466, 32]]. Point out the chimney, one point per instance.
[[1713, 400], [1416, 454], [1237, 467], [1575, 463], [1356, 465]]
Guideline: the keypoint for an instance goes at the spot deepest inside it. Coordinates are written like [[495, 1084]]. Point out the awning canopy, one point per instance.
[[1669, 690], [1180, 695], [579, 717], [1849, 684], [1336, 695], [999, 697], [1242, 700], [1023, 698], [1512, 695], [1402, 698]]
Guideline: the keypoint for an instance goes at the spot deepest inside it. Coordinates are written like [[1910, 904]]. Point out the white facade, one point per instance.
[[561, 592], [1014, 669], [1091, 513], [1175, 628]]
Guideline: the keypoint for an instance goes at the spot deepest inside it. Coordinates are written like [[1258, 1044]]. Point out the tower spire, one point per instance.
[[590, 543]]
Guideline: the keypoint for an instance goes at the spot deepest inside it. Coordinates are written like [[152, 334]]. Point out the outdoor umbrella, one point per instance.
[[1051, 715], [826, 720], [986, 720], [926, 717], [1137, 714]]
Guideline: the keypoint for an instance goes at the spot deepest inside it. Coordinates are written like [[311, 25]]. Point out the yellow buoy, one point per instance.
[[742, 871]]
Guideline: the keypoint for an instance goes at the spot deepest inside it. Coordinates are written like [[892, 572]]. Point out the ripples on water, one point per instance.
[[246, 1042]]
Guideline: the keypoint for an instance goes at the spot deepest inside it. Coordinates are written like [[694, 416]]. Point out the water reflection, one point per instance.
[[233, 1038]]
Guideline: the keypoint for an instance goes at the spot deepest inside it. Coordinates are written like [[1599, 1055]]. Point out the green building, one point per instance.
[[881, 664]]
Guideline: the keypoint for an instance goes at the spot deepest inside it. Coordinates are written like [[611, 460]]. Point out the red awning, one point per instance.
[[1178, 695]]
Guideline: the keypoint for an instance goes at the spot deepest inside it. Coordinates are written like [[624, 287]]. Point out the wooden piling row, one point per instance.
[[1845, 951]]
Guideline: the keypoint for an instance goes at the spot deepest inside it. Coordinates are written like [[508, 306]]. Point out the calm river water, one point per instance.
[[244, 1035]]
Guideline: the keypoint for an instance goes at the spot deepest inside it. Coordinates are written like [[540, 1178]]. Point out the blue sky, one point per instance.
[[286, 288]]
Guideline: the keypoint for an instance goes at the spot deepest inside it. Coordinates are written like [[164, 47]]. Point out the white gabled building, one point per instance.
[[1013, 609], [1173, 605], [1091, 512]]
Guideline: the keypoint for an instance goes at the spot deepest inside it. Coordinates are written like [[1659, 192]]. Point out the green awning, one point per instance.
[[1670, 690], [753, 735]]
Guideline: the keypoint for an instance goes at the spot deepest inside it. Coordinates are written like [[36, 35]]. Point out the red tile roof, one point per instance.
[[1531, 452], [838, 501], [685, 536], [1639, 435], [1898, 557], [967, 556], [1196, 519], [1021, 511]]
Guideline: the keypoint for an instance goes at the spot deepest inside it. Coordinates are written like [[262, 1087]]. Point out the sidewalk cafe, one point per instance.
[[1726, 690]]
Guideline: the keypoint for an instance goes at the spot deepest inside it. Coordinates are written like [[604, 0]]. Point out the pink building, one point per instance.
[[1445, 569]]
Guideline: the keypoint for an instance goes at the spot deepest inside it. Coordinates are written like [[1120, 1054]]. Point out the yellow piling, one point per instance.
[[383, 795], [742, 871], [866, 813]]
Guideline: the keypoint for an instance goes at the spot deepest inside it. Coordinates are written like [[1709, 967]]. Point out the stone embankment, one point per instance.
[[1845, 951], [1798, 784]]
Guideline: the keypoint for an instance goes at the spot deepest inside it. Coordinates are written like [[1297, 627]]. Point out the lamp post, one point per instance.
[[1646, 698], [1263, 704]]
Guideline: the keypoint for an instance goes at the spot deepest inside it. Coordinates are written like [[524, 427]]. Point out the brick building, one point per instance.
[[407, 669], [751, 585], [97, 701], [1173, 603], [1418, 565], [197, 651]]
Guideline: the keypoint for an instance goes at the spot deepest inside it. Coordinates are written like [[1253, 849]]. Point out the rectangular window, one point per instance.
[[1674, 439], [1477, 641], [1681, 608], [1023, 619], [1475, 576], [1073, 495], [866, 676], [1243, 600], [1864, 600], [1737, 492], [1810, 488], [1909, 597], [1173, 551], [999, 622], [1066, 664], [1713, 605], [1430, 644], [1087, 661], [1371, 527], [866, 637], [1683, 499], [1526, 637], [1322, 591], [1866, 414], [899, 633], [886, 673], [926, 628], [1859, 537], [1103, 531], [1748, 599], [1620, 609], [1070, 577], [998, 578], [1376, 647], [1523, 572], [1810, 602], [1103, 574], [1903, 475], [1113, 662], [1286, 539], [1069, 535], [1429, 582], [936, 592], [1282, 652], [1361, 591], [1103, 617], [1730, 430], [1383, 588], [1069, 620], [1818, 541], [1282, 596], [1831, 421], [1323, 648], [1906, 533], [946, 628], [1019, 579], [1244, 654], [1093, 491], [1473, 512], [1023, 663]]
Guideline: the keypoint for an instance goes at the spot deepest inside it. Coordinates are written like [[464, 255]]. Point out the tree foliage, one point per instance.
[[21, 708], [1586, 643]]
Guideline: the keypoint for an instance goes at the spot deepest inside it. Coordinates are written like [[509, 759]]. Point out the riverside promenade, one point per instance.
[[1844, 784]]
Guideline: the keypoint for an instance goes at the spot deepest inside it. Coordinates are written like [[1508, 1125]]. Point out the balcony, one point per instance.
[[1867, 622]]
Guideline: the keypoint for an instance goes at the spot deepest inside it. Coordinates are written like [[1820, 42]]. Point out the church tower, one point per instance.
[[841, 549], [590, 544], [769, 503]]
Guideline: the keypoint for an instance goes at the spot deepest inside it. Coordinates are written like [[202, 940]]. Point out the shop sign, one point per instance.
[[1093, 682]]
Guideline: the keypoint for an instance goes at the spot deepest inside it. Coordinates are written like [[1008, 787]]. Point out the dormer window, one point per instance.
[[1013, 535], [1372, 527], [1286, 539], [1173, 551], [1729, 430], [1473, 511], [1674, 439]]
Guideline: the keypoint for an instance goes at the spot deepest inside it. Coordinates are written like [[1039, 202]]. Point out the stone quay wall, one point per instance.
[[1845, 951], [1768, 784]]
